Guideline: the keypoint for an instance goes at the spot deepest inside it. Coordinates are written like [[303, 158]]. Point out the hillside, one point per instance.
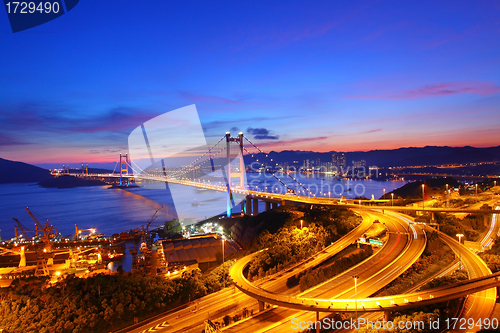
[[19, 172], [414, 189], [429, 155]]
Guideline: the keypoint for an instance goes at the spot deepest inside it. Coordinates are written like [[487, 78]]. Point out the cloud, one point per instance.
[[280, 144], [10, 140], [261, 134], [207, 99], [436, 90], [29, 117]]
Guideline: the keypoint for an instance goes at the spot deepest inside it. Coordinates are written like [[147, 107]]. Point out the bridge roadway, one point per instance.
[[478, 305], [280, 198], [400, 251], [214, 306], [289, 198]]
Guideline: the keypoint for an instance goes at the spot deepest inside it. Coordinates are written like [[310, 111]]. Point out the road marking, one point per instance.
[[157, 327]]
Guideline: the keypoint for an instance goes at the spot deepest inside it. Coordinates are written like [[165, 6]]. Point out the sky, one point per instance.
[[291, 75]]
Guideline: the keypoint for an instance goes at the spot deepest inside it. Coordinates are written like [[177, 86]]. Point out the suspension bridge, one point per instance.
[[221, 168]]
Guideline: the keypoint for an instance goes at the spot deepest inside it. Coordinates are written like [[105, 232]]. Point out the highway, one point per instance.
[[326, 302], [230, 300], [479, 305], [486, 241], [400, 251]]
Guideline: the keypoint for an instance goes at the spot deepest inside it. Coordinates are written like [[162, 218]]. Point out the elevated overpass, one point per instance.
[[371, 304]]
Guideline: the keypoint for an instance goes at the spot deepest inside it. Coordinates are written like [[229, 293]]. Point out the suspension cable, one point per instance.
[[278, 179]]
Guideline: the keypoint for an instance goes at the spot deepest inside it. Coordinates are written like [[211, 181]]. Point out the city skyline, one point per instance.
[[331, 77]]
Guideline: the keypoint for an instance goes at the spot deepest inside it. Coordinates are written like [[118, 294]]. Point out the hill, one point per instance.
[[414, 189], [19, 172], [429, 155]]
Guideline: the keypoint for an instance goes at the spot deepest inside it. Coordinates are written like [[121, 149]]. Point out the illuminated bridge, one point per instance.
[[216, 170]]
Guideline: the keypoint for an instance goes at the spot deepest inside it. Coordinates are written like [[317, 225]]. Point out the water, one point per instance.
[[114, 210]]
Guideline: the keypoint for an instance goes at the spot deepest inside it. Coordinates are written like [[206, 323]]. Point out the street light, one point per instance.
[[355, 277], [223, 271], [447, 196], [301, 224], [460, 253], [384, 193], [392, 199], [423, 197], [476, 189]]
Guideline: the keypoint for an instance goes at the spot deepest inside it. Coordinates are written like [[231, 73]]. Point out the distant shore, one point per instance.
[[69, 182]]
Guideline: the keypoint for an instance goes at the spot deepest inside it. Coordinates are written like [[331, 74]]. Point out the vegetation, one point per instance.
[[414, 189], [100, 303], [471, 226], [457, 276], [415, 318], [318, 275], [291, 243], [492, 256]]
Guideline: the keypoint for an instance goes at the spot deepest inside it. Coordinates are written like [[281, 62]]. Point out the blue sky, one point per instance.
[[302, 75]]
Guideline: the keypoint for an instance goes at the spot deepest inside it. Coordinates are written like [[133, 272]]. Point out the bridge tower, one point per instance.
[[230, 174], [124, 163]]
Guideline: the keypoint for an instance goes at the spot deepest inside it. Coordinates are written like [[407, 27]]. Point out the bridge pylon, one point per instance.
[[240, 174], [124, 163]]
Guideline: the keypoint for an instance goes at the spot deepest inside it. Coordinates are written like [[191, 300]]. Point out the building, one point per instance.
[[201, 250], [359, 164], [338, 160]]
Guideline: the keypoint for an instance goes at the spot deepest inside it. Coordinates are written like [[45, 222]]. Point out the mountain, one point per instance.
[[412, 156], [19, 172]]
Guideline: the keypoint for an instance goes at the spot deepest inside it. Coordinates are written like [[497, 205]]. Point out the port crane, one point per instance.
[[145, 232], [20, 229], [45, 257], [48, 231], [79, 231]]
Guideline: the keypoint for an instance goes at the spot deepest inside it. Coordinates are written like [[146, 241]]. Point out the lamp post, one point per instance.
[[460, 253], [355, 277], [476, 189], [447, 196], [223, 271], [423, 196], [301, 224], [384, 193], [392, 199]]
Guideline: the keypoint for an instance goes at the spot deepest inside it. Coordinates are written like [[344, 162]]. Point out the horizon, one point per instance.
[[102, 164], [348, 77]]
